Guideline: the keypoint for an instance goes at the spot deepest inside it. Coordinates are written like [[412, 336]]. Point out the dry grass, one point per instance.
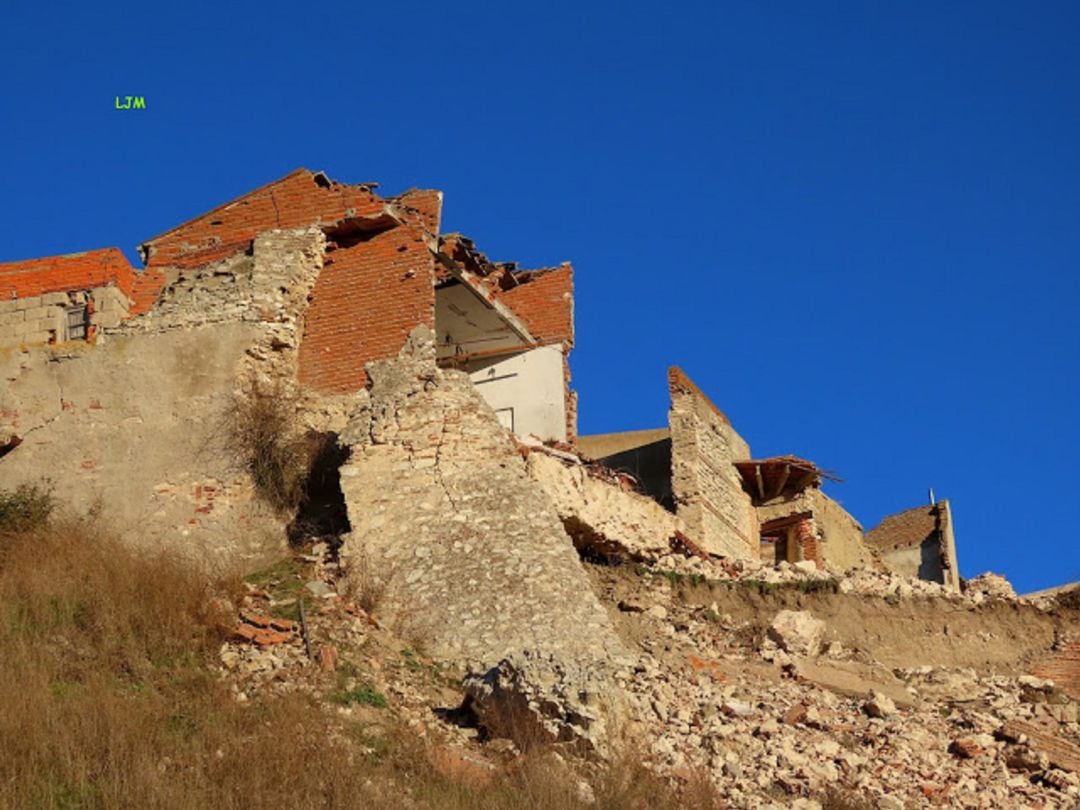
[[109, 698], [261, 429], [368, 583]]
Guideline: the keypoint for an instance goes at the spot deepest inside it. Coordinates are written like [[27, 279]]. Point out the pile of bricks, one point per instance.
[[265, 631]]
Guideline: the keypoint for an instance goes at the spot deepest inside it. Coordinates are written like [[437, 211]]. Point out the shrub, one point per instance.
[[363, 695], [26, 509], [262, 430]]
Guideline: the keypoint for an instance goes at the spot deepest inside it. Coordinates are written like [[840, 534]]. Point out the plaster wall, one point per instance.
[[464, 325], [130, 431], [527, 390]]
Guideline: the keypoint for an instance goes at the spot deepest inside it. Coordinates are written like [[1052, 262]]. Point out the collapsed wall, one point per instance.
[[132, 429], [707, 489], [603, 519], [461, 548], [838, 537]]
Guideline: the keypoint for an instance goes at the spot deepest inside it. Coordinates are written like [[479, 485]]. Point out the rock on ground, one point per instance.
[[798, 632]]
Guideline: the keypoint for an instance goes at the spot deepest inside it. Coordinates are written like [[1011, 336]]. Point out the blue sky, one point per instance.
[[855, 225]]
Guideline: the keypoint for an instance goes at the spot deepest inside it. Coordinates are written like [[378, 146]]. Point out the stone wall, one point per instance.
[[458, 546], [270, 284], [707, 489], [442, 506]]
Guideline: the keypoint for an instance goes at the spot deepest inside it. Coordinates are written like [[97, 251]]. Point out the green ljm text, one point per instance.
[[131, 103]]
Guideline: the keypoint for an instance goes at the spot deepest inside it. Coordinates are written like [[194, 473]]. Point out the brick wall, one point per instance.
[[1063, 669], [707, 488], [807, 540], [297, 200], [367, 299], [545, 303]]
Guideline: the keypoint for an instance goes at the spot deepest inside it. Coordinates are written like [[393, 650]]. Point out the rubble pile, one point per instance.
[[864, 581], [772, 721]]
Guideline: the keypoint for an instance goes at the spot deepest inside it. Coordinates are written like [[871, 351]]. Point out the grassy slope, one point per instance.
[[110, 697]]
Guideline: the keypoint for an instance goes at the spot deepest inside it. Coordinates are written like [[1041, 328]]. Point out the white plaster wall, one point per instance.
[[530, 386]]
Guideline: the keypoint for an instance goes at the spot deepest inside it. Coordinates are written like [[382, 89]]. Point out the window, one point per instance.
[[75, 323]]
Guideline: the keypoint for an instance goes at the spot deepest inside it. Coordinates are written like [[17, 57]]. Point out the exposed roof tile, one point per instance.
[[72, 271]]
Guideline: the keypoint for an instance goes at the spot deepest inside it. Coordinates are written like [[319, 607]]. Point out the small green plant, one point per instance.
[[676, 578], [363, 695], [26, 509], [802, 586]]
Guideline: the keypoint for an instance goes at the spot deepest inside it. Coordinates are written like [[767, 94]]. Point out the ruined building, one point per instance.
[[306, 282], [384, 268]]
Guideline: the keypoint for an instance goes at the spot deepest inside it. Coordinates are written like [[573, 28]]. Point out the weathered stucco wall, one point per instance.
[[133, 427], [839, 535], [708, 491], [131, 430], [526, 390]]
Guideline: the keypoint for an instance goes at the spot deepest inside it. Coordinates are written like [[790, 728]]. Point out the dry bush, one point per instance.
[[262, 430], [367, 582], [836, 799], [28, 508], [1070, 599]]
